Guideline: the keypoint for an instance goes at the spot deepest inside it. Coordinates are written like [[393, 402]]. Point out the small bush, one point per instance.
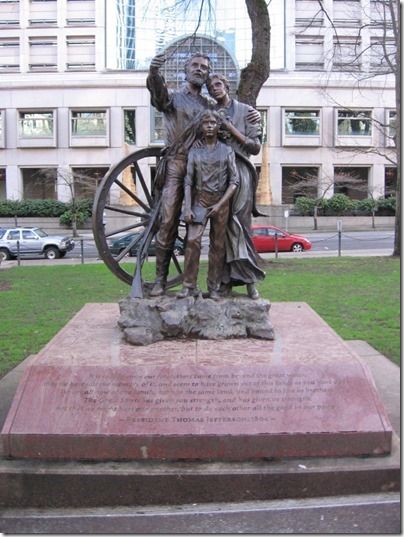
[[339, 204], [8, 208], [364, 207], [66, 218], [85, 205], [82, 209], [304, 206], [386, 206]]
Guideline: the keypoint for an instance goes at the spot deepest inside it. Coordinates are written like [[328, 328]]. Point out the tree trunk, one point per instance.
[[254, 75], [397, 140]]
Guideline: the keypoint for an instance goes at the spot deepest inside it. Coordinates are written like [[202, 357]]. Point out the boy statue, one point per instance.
[[210, 182]]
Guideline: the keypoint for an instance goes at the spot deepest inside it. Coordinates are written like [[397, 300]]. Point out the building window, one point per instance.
[[302, 122], [36, 129], [89, 128], [2, 127], [380, 14], [351, 123], [85, 181], [80, 53], [264, 125], [301, 127], [89, 123], [129, 118], [391, 128], [43, 13], [354, 128], [347, 12], [157, 130], [309, 53], [80, 13], [308, 14], [43, 54], [39, 183], [10, 14], [390, 182], [382, 55], [351, 181], [347, 54], [3, 184], [298, 181], [9, 54]]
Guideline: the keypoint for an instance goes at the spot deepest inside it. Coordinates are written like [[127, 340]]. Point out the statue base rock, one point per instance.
[[146, 321]]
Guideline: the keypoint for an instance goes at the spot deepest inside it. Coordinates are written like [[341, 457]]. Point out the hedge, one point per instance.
[[28, 208], [48, 208], [341, 205]]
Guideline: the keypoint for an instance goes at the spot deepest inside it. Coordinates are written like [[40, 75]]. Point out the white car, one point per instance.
[[32, 241]]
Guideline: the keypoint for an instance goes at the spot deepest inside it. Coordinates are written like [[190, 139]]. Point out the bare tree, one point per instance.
[[256, 72], [80, 184], [376, 57], [254, 75]]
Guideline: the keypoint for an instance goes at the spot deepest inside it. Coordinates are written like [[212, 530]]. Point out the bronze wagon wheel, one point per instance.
[[119, 202]]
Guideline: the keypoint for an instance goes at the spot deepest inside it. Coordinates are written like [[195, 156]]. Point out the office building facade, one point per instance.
[[73, 98]]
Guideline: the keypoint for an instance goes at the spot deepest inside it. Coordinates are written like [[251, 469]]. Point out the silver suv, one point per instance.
[[32, 241]]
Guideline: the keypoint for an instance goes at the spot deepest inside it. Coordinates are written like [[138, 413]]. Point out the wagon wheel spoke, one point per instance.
[[133, 196], [126, 203], [140, 176]]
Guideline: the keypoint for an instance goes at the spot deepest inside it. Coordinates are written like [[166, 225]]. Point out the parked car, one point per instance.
[[118, 245], [32, 241], [264, 240]]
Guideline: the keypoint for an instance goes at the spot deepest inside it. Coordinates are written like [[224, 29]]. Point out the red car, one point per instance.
[[264, 240]]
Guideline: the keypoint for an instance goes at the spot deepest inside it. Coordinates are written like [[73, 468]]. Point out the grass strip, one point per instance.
[[358, 297]]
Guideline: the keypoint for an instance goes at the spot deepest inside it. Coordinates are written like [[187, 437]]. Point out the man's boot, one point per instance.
[[163, 258]]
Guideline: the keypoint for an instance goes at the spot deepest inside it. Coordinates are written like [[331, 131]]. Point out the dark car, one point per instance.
[[118, 245], [264, 240]]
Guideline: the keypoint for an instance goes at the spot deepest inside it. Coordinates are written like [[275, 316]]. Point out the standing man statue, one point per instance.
[[210, 182], [181, 111]]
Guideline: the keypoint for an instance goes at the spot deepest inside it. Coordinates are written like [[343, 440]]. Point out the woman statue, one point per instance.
[[243, 134]]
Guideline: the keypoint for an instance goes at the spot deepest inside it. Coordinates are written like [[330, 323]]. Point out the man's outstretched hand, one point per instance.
[[157, 62]]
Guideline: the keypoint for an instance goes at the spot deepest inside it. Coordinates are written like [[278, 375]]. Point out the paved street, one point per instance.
[[350, 243]]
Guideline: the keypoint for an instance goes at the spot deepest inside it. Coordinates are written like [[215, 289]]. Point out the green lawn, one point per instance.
[[358, 297]]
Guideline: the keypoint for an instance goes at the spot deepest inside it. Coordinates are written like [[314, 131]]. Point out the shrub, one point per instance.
[[305, 206], [82, 209], [8, 208], [339, 204], [41, 208], [364, 207], [386, 206], [85, 205], [322, 206], [30, 208], [66, 218]]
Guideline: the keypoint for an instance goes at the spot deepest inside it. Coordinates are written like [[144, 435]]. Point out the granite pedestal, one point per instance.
[[88, 395]]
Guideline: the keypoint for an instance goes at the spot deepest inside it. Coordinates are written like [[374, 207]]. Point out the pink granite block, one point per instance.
[[88, 395]]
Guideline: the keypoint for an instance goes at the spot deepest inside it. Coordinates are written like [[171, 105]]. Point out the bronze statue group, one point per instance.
[[206, 168]]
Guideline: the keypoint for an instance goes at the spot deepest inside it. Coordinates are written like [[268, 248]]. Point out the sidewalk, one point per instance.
[[282, 255]]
